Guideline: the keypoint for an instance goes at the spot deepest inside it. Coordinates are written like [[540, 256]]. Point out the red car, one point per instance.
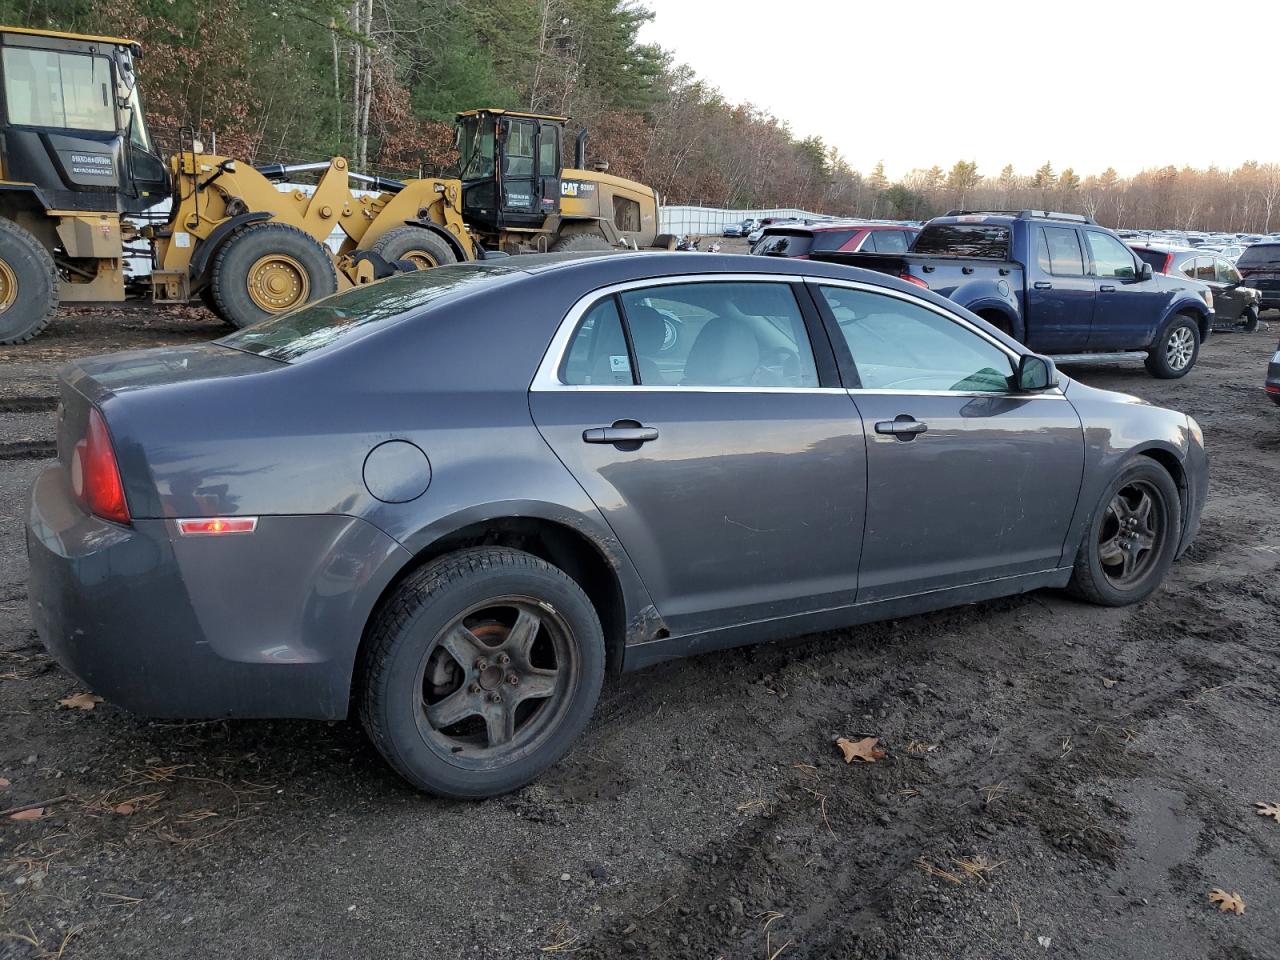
[[798, 240]]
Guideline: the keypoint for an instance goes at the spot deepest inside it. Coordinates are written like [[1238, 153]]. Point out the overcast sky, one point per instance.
[[1085, 84]]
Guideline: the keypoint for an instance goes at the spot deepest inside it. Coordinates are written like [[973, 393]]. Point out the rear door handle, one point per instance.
[[620, 434], [1043, 285], [1107, 288], [903, 427]]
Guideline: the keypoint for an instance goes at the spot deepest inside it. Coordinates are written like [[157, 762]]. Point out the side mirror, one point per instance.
[[1145, 272], [1036, 373]]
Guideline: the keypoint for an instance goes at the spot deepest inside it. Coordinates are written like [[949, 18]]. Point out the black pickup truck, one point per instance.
[[1058, 282]]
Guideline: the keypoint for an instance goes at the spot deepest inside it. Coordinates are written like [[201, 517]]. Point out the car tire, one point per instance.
[[1176, 349], [28, 285], [1112, 568], [266, 269], [465, 729], [416, 245], [1250, 318], [580, 243]]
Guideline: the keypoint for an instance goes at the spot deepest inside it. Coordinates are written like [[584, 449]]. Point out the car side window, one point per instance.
[[597, 354], [899, 345], [1065, 256], [1111, 258], [731, 334], [1205, 270], [890, 241], [1226, 273]]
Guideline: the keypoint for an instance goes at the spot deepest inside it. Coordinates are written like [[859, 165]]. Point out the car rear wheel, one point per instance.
[[1175, 351], [1132, 538], [482, 668]]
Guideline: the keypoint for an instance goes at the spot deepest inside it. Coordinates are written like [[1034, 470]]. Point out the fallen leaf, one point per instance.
[[124, 809], [1108, 682], [35, 813], [1227, 902], [3, 782], [864, 749], [1269, 810], [81, 701]]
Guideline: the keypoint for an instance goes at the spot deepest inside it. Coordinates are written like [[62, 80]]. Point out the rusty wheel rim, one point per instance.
[[278, 282], [420, 259], [8, 286], [495, 682]]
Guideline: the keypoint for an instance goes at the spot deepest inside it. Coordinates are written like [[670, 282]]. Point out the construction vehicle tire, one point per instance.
[[206, 297], [416, 245], [580, 243], [28, 284], [266, 269]]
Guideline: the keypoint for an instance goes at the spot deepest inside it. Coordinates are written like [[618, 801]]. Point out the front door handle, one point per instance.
[[1107, 288], [1043, 285], [615, 434], [903, 427]]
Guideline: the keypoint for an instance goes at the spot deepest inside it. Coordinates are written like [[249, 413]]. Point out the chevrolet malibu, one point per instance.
[[450, 502]]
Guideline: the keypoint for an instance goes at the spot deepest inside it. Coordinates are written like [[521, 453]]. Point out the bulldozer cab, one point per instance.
[[73, 125], [510, 168]]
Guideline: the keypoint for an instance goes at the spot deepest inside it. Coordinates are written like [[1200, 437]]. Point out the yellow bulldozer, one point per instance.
[[80, 180]]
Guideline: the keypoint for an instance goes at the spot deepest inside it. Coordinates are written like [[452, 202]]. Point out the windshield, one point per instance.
[[475, 145], [292, 335]]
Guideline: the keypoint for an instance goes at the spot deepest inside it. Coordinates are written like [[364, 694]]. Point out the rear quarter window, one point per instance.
[[964, 240]]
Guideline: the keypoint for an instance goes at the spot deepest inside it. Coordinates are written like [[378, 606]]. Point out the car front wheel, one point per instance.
[[1175, 351], [1250, 319], [482, 668], [1132, 538]]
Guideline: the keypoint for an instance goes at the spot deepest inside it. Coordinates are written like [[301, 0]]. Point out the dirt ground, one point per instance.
[[1061, 780]]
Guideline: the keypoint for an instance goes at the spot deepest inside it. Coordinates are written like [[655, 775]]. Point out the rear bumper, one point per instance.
[[266, 624]]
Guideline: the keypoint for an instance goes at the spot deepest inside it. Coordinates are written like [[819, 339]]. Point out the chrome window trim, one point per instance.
[[547, 377], [1054, 394]]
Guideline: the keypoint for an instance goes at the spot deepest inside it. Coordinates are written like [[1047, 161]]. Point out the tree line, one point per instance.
[[380, 80]]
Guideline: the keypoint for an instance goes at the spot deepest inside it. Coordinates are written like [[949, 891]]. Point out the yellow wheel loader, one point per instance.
[[79, 178]]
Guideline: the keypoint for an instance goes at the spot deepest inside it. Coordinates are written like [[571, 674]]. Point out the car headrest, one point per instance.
[[725, 353]]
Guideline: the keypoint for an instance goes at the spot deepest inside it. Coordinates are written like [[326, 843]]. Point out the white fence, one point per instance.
[[711, 220]]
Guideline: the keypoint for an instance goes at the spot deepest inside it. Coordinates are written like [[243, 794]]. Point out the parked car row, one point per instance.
[[449, 518]]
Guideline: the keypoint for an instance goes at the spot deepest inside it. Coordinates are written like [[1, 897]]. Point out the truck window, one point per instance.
[[1065, 256], [70, 91], [1111, 258], [964, 240]]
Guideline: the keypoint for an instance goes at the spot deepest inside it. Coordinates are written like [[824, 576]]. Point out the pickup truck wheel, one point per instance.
[[1250, 319], [1175, 351], [482, 669], [1132, 538]]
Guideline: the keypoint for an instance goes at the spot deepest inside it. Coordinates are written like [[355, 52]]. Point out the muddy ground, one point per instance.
[[1061, 780]]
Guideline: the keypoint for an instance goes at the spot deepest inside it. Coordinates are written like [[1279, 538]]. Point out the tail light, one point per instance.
[[1168, 263], [910, 279], [95, 475]]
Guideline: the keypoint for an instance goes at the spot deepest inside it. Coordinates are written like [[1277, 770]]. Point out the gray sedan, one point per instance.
[[452, 501]]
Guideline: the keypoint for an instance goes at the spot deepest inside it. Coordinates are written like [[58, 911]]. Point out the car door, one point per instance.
[[1060, 295], [1228, 301], [1126, 307], [693, 414], [967, 481]]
